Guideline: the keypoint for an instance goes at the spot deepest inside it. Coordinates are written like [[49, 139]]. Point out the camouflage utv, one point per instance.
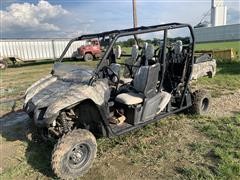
[[74, 105]]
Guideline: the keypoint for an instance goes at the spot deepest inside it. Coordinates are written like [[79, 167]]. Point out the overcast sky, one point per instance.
[[70, 18]]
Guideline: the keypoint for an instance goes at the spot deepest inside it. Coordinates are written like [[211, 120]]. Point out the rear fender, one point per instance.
[[89, 52]]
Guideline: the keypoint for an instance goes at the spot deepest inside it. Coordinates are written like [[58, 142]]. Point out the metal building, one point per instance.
[[218, 33], [36, 49]]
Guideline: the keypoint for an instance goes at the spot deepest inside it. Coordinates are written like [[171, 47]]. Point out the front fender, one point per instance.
[[99, 93], [38, 86]]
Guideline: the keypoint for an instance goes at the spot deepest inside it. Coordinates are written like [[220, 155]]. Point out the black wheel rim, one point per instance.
[[205, 104], [78, 156]]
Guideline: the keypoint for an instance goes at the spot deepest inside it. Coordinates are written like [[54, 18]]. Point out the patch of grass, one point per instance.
[[219, 45], [35, 161], [196, 146], [195, 173], [223, 151], [149, 145], [227, 79]]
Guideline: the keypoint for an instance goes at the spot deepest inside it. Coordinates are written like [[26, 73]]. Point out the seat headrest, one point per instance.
[[149, 52], [134, 52], [145, 45], [178, 46], [118, 51]]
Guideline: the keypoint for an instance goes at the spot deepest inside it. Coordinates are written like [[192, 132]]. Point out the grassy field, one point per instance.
[[227, 79], [219, 45], [179, 147]]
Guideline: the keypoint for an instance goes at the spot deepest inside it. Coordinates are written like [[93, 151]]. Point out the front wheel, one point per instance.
[[201, 102], [74, 154], [88, 57]]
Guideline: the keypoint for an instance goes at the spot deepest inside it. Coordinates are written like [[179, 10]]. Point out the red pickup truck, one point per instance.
[[88, 52]]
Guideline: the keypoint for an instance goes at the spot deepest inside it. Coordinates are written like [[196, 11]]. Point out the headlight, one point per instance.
[[38, 115], [29, 107]]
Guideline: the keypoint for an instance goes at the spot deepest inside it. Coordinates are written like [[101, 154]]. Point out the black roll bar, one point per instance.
[[130, 31]]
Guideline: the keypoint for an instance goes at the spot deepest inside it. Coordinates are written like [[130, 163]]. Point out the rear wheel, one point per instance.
[[88, 57], [210, 74], [74, 154], [201, 102]]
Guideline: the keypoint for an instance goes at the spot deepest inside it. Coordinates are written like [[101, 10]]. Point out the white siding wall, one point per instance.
[[218, 33], [36, 49]]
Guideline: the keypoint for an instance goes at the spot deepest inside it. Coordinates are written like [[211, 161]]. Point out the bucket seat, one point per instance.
[[144, 86]]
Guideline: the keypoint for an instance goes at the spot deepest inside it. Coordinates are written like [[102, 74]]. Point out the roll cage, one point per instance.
[[115, 34]]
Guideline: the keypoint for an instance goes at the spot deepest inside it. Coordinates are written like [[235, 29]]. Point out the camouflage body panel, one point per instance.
[[206, 68], [98, 93], [57, 92]]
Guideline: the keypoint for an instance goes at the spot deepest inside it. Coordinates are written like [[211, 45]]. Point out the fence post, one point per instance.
[[53, 50]]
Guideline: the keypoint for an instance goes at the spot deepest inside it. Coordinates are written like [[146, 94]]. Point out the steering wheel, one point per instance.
[[110, 74]]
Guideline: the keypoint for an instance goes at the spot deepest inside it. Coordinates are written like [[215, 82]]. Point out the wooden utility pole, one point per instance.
[[134, 14]]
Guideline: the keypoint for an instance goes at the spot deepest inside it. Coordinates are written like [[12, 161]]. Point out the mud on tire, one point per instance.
[[201, 102], [74, 154]]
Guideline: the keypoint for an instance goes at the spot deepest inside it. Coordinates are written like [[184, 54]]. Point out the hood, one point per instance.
[[59, 82], [67, 85]]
